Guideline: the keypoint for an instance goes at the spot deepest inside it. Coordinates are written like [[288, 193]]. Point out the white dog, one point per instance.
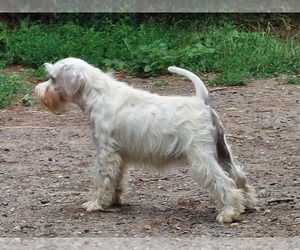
[[135, 127]]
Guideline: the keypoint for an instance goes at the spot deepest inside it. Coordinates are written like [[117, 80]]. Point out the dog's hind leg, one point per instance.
[[235, 172], [225, 160], [207, 172]]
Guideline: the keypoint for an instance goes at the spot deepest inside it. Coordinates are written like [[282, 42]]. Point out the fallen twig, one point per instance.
[[218, 89], [280, 200], [235, 136], [153, 179]]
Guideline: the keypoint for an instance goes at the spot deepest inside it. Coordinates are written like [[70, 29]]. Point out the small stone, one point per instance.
[[44, 201], [263, 193], [147, 227], [18, 228], [267, 211], [2, 159]]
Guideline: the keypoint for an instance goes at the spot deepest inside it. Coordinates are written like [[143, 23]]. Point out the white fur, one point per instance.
[[134, 127], [201, 90]]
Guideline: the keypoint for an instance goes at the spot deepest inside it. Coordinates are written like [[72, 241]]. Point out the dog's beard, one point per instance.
[[51, 99]]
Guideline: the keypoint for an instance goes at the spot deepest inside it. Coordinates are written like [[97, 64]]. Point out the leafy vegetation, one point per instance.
[[121, 42], [11, 87], [292, 80]]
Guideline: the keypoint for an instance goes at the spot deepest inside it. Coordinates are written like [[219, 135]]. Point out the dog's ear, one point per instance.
[[73, 79]]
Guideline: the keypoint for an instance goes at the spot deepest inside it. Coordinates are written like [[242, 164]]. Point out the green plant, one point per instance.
[[10, 87], [214, 45], [292, 80], [160, 83], [38, 73], [3, 44], [27, 101]]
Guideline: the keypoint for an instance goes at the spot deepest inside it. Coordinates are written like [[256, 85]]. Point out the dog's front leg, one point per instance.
[[107, 174]]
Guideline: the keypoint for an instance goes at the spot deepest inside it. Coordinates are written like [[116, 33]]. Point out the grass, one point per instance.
[[151, 47], [13, 88], [230, 52], [292, 80]]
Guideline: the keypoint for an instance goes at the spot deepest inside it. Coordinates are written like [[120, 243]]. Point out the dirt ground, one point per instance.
[[46, 160]]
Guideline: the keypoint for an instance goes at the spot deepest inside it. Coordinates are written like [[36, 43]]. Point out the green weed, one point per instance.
[[222, 48], [292, 80], [27, 101], [38, 73], [10, 88], [160, 83]]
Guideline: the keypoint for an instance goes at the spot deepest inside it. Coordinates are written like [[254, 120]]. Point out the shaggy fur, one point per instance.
[[132, 127]]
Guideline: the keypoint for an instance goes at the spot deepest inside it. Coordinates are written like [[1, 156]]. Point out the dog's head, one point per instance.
[[64, 86]]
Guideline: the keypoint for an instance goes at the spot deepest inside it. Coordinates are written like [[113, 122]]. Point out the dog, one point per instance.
[[133, 127]]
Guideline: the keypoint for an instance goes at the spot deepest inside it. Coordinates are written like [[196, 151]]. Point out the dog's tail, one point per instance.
[[201, 90]]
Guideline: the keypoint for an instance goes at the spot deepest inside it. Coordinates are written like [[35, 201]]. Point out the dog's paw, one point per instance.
[[251, 203], [92, 206], [251, 200], [227, 215]]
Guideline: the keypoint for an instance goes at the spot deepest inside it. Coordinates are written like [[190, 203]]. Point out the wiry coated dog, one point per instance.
[[135, 127]]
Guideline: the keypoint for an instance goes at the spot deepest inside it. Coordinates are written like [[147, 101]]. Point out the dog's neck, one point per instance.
[[79, 101]]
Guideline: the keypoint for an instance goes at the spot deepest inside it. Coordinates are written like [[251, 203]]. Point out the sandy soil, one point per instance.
[[46, 160]]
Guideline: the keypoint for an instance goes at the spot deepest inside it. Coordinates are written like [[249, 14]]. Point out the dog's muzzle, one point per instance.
[[47, 96]]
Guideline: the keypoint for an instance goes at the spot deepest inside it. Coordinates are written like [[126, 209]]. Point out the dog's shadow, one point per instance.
[[194, 212], [182, 215], [197, 214]]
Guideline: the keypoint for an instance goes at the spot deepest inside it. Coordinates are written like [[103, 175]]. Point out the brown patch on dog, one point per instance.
[[225, 159], [223, 153], [53, 101]]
